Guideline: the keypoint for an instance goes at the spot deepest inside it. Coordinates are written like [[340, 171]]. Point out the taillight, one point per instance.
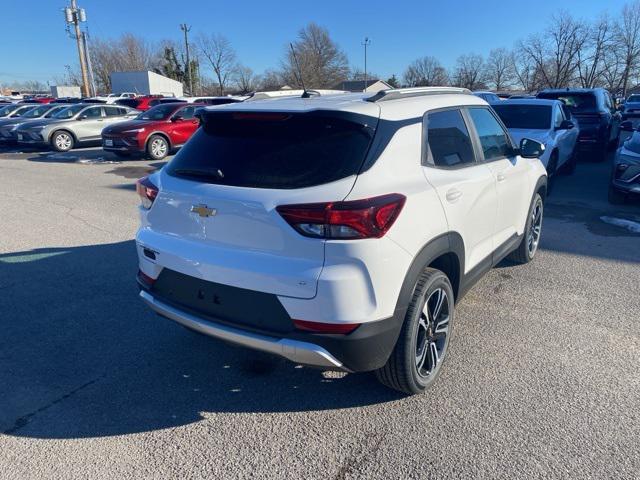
[[319, 327], [147, 192], [145, 279], [368, 218]]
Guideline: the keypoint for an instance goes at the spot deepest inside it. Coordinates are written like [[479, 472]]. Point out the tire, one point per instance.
[[552, 170], [421, 348], [62, 141], [531, 238], [615, 196], [570, 166], [157, 147]]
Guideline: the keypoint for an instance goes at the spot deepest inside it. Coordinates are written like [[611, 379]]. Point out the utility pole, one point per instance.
[[366, 43], [73, 16], [186, 29]]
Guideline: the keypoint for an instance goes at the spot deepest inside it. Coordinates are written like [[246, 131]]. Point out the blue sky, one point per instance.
[[34, 44]]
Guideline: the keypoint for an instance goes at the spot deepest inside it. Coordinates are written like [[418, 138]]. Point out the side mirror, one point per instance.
[[626, 126], [566, 125], [531, 148]]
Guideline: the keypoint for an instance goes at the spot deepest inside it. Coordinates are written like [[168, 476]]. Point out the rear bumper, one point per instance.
[[365, 349], [294, 350]]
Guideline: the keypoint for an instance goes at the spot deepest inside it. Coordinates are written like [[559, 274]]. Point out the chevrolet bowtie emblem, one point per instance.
[[203, 210]]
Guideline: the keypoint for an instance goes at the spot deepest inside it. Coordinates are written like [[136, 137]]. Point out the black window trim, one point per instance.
[[425, 159], [476, 137]]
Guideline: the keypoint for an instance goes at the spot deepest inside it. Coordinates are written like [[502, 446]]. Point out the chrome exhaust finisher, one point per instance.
[[299, 352]]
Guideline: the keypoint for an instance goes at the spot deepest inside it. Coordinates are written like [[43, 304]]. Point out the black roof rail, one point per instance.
[[396, 93]]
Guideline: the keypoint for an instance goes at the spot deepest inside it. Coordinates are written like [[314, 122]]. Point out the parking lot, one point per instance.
[[542, 379]]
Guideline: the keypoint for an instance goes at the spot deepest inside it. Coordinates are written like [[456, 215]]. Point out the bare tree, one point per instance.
[[554, 53], [500, 68], [246, 81], [217, 50], [322, 63], [591, 57], [271, 80], [627, 39], [127, 53], [425, 72], [469, 71]]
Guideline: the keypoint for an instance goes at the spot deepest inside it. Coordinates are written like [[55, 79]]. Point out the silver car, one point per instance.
[[79, 124], [9, 125]]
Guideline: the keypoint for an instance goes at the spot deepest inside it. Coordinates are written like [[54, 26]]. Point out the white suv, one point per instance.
[[338, 231]]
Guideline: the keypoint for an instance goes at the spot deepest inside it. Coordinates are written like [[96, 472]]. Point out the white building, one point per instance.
[[145, 83]]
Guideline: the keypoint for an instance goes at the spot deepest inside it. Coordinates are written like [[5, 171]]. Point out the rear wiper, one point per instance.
[[204, 173]]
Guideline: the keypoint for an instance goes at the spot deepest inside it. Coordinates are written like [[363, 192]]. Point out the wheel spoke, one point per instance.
[[437, 308], [442, 326], [434, 358]]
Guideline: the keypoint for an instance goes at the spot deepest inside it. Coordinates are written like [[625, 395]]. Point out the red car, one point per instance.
[[142, 102], [154, 133]]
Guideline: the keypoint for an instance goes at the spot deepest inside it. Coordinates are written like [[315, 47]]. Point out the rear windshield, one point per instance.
[[536, 117], [275, 150], [634, 99], [577, 102]]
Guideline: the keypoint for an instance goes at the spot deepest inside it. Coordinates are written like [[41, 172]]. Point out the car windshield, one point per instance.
[[22, 110], [536, 117], [274, 149], [160, 112], [69, 111], [577, 102], [634, 99], [37, 112]]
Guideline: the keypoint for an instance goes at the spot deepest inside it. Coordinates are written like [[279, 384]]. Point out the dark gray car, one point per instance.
[[9, 125], [79, 124]]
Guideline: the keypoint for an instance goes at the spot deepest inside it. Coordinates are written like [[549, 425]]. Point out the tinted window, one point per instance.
[[114, 111], [37, 111], [577, 102], [4, 111], [187, 113], [494, 140], [634, 98], [94, 112], [633, 143], [448, 140], [558, 117], [536, 117], [68, 112], [274, 150]]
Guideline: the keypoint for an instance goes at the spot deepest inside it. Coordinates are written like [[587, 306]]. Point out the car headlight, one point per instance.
[[135, 130]]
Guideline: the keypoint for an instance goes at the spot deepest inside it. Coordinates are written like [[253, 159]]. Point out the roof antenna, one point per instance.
[[305, 94]]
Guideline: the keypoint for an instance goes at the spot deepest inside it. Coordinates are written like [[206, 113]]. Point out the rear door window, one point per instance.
[[275, 149], [93, 112], [494, 140], [448, 141]]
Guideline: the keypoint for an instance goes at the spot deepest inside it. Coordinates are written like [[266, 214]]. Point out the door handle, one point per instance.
[[501, 177], [453, 195]]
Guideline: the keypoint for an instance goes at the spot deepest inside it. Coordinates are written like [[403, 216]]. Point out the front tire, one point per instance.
[[532, 233], [62, 141], [420, 351], [157, 147]]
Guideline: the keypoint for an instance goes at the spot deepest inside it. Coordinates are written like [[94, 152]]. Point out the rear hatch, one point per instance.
[[215, 216]]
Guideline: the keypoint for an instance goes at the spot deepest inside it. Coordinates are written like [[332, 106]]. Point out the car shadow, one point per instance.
[[82, 357]]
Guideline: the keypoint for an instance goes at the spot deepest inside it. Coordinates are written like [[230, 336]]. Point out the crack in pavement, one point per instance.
[[24, 420]]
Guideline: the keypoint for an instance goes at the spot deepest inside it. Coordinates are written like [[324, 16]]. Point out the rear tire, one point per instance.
[[532, 233], [420, 351], [157, 147], [62, 141], [570, 166]]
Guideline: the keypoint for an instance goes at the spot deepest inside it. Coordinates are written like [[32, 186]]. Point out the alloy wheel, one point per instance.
[[158, 148], [63, 141], [533, 235], [432, 334]]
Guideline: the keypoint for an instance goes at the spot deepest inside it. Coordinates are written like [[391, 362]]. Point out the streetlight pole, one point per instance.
[[366, 43], [186, 29]]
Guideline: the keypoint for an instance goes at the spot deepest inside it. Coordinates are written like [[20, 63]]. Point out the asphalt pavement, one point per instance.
[[542, 378]]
